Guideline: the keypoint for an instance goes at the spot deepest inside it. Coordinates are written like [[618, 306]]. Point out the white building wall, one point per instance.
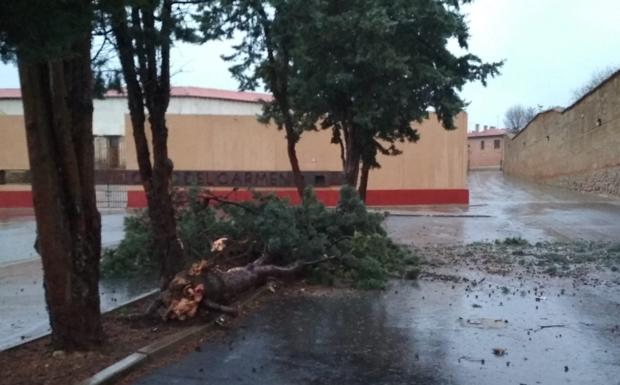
[[11, 107], [197, 106], [109, 114]]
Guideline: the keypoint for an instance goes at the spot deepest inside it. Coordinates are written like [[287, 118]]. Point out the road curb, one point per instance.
[[156, 349]]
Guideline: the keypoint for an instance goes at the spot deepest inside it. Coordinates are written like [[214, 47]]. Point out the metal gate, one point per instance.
[[109, 157]]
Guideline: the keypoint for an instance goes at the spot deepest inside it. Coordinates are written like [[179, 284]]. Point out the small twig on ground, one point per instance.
[[551, 326], [543, 327]]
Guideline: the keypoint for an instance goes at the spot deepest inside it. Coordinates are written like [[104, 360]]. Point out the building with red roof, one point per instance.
[[485, 148]]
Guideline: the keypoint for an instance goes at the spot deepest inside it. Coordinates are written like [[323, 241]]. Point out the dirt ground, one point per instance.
[[35, 363]]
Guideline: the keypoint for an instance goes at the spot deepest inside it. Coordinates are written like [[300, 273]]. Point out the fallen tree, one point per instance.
[[239, 245]]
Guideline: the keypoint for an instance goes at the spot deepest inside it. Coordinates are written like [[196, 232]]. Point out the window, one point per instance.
[[319, 180], [482, 144], [496, 144]]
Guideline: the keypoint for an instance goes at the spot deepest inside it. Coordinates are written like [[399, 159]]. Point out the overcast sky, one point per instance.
[[551, 47]]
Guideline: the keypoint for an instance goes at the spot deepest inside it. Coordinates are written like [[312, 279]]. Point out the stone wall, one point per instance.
[[605, 181], [578, 148]]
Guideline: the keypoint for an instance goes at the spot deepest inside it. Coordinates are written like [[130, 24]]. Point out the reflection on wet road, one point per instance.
[[22, 304], [416, 335], [503, 207], [23, 315], [18, 232]]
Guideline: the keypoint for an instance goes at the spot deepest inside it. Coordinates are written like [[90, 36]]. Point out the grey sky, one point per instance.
[[551, 47]]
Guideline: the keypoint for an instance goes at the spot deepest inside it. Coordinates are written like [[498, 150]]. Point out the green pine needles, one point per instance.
[[363, 256]]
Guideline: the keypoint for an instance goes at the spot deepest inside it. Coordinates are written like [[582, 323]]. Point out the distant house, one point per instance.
[[486, 148]]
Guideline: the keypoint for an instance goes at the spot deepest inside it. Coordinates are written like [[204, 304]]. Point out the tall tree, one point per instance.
[[143, 31], [265, 57], [370, 68], [518, 116], [51, 41]]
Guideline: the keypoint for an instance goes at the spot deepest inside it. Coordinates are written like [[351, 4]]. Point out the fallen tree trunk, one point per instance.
[[205, 287]]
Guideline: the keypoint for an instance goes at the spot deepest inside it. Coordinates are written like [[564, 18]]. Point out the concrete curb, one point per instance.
[[156, 349], [428, 215]]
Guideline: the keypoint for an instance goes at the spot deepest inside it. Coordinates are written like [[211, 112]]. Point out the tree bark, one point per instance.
[[161, 210], [298, 178], [352, 156], [57, 98], [202, 286], [148, 89], [363, 188]]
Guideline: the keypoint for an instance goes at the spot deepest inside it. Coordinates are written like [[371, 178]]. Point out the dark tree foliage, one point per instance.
[[364, 69], [143, 33], [51, 42], [265, 56], [372, 67]]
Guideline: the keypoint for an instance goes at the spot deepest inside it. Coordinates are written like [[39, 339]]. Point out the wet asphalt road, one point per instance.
[[22, 305], [429, 334], [440, 332], [18, 233], [502, 207], [23, 315]]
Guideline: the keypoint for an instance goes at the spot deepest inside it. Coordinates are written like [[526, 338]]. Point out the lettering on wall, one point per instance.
[[228, 178]]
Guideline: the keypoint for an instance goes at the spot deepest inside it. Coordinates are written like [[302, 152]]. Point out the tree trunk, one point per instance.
[[298, 178], [352, 158], [161, 210], [363, 188], [150, 90], [58, 108], [202, 286]]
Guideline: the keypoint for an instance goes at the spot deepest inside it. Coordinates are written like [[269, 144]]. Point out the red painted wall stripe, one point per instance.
[[416, 197], [137, 199], [15, 199]]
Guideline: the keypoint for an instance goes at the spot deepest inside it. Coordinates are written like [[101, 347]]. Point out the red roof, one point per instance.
[[10, 93], [180, 92], [489, 132]]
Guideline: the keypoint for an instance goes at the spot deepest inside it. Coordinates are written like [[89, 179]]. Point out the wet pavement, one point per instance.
[[23, 316], [18, 233], [432, 332], [502, 207], [447, 327]]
